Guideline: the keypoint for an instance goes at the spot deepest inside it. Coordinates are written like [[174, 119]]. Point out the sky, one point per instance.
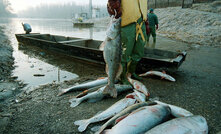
[[19, 5]]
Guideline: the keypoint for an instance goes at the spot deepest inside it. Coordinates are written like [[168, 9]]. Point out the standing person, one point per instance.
[[133, 33], [153, 25], [133, 36]]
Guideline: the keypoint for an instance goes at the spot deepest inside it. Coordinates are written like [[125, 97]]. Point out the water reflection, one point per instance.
[[28, 64]]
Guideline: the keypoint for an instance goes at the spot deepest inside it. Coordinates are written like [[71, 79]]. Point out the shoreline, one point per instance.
[[40, 110]]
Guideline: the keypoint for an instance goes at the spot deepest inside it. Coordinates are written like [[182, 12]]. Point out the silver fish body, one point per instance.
[[84, 86], [126, 111], [97, 95], [139, 86], [175, 110], [185, 125], [161, 74], [141, 120], [108, 113], [112, 55]]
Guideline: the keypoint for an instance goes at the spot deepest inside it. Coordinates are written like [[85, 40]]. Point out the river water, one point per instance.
[[31, 61]]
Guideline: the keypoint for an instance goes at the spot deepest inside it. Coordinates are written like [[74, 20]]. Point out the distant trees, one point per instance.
[[5, 9], [65, 10]]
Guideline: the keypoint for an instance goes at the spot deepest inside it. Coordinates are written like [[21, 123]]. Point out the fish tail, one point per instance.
[[74, 102], [110, 90], [82, 124]]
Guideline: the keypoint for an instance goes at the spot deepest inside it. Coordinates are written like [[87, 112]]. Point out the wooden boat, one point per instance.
[[88, 50]]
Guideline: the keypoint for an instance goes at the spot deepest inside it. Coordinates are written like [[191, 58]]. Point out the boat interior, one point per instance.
[[66, 40], [94, 44]]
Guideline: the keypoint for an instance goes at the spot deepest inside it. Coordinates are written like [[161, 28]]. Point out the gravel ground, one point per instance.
[[189, 25], [9, 87]]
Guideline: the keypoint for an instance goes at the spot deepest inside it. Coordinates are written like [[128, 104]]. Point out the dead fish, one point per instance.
[[175, 110], [97, 95], [108, 113], [185, 125], [125, 112], [163, 75], [139, 96], [139, 86], [112, 55], [85, 92], [87, 85], [141, 120]]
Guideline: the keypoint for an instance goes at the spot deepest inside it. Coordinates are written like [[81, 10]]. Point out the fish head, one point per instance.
[[142, 88], [171, 79]]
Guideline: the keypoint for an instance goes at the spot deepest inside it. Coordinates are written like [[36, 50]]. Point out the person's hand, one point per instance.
[[114, 8], [157, 27]]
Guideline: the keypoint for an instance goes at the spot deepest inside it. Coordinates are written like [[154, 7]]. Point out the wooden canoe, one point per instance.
[[88, 50]]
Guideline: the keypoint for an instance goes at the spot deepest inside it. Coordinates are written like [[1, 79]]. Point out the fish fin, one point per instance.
[[106, 69], [101, 47], [95, 99], [72, 99], [120, 70], [82, 125], [74, 102], [112, 91]]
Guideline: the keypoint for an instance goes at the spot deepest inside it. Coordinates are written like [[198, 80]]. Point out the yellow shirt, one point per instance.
[[132, 10]]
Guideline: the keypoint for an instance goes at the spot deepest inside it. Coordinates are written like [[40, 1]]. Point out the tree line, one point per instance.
[[66, 10], [5, 9]]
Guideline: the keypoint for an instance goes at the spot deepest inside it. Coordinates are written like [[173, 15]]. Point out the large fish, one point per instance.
[[185, 125], [112, 55], [87, 85], [163, 75], [97, 95], [139, 86], [175, 110], [108, 113], [123, 113], [141, 120]]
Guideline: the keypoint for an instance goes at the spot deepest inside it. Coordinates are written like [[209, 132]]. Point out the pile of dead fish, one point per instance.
[[132, 114]]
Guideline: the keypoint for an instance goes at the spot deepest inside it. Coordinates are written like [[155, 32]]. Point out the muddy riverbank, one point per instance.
[[197, 89], [9, 86]]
